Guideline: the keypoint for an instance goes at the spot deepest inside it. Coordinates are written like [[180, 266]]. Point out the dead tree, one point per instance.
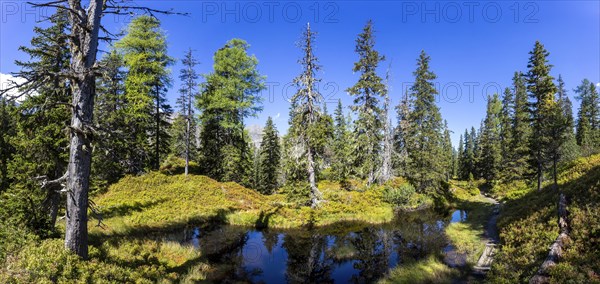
[[86, 29]]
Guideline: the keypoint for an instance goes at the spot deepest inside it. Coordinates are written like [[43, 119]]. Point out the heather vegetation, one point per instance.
[[100, 175]]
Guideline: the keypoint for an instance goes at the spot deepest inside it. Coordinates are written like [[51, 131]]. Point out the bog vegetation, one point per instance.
[[151, 168]]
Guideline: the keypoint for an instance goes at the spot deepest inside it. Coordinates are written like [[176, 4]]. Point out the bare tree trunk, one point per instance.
[[315, 194], [157, 146], [84, 46], [187, 134]]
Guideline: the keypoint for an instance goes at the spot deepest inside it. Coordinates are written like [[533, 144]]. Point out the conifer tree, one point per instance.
[[144, 49], [541, 88], [569, 149], [401, 135], [366, 92], [341, 146], [7, 150], [459, 158], [186, 122], [424, 138], [490, 141], [519, 166], [506, 128], [114, 153], [42, 128], [269, 159], [229, 95], [447, 152], [388, 136], [307, 113], [588, 120], [475, 154]]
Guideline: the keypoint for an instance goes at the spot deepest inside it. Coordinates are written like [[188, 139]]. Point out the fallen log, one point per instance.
[[556, 248]]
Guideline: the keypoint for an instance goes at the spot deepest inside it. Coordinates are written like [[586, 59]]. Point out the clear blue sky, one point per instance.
[[473, 45]]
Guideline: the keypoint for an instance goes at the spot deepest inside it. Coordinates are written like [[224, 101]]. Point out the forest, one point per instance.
[[103, 181]]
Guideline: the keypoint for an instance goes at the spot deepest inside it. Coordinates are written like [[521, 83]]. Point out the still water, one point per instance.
[[340, 253]]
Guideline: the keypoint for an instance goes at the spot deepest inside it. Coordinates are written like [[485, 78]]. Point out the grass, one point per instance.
[[468, 237], [528, 225], [138, 212], [431, 270]]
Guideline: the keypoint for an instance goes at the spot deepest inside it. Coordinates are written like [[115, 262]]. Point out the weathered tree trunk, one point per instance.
[[556, 249], [187, 135], [315, 194], [157, 146], [84, 46]]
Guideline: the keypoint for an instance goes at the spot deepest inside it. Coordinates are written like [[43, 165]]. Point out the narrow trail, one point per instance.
[[493, 239]]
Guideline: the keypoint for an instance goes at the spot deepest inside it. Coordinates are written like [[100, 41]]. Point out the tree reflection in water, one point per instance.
[[356, 253]]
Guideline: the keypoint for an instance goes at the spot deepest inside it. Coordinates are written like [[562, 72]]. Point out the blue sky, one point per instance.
[[475, 47]]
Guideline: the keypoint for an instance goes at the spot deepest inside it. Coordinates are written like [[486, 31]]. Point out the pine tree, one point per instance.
[[490, 142], [366, 92], [424, 139], [229, 95], [188, 91], [541, 88], [269, 159], [144, 49], [307, 113]]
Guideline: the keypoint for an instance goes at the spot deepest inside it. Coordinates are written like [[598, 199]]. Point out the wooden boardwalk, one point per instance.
[[484, 263]]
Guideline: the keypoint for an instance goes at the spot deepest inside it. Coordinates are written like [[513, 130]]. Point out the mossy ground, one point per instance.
[[529, 225], [129, 245]]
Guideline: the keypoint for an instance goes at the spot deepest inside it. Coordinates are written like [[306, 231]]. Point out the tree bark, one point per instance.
[[84, 46], [157, 146], [539, 175], [315, 194]]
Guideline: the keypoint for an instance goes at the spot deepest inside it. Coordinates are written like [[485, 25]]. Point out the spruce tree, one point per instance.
[[144, 49], [519, 167], [366, 92], [447, 152], [424, 138], [569, 149], [460, 158], [588, 120], [541, 88], [113, 155], [506, 128], [403, 129], [307, 113], [490, 142], [41, 140], [188, 91], [7, 150], [388, 136], [269, 159], [341, 146]]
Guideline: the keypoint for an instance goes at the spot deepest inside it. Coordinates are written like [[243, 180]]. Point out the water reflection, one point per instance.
[[344, 253]]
